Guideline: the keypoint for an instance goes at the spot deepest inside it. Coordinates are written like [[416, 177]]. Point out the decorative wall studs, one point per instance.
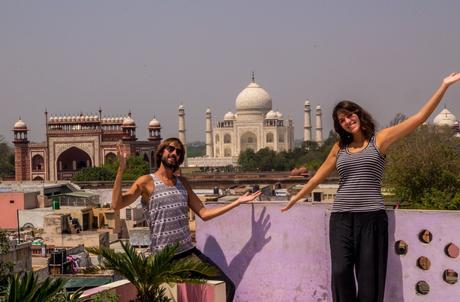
[[450, 276], [451, 250], [424, 263], [422, 288], [425, 236], [401, 247]]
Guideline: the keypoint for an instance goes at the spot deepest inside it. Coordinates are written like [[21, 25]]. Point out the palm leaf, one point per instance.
[[24, 288], [148, 273]]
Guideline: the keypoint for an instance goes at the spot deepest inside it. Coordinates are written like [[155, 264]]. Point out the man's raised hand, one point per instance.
[[121, 155]]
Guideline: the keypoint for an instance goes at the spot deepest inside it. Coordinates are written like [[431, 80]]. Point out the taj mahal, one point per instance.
[[254, 125]]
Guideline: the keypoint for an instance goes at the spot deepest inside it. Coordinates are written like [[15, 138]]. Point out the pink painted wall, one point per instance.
[[274, 256], [8, 210], [185, 292], [124, 289]]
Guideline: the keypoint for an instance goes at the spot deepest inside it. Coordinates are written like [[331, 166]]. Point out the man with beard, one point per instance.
[[165, 199]]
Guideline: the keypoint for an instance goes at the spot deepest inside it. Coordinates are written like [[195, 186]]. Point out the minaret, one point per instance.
[[182, 131], [319, 127], [307, 122], [209, 144], [21, 154]]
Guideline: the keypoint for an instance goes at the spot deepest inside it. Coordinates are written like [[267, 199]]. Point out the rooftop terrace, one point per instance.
[[274, 256]]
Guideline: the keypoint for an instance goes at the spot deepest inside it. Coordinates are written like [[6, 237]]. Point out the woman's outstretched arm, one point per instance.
[[326, 168], [388, 136]]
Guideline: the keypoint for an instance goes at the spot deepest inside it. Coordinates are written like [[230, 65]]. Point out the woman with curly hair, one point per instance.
[[358, 227]]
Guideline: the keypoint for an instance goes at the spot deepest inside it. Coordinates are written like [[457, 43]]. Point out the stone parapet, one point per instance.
[[261, 248]]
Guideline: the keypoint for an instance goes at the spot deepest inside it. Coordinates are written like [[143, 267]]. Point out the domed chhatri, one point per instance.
[[445, 118], [20, 125], [229, 116], [271, 115], [128, 121], [154, 123]]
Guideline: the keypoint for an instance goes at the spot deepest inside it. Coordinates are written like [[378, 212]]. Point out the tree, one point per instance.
[[196, 149], [6, 159], [310, 155], [136, 166], [266, 159], [247, 160], [24, 288], [6, 267], [94, 174], [436, 199], [423, 169], [147, 273], [399, 117]]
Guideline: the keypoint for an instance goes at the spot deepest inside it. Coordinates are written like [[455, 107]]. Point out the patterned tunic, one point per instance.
[[360, 180], [166, 213]]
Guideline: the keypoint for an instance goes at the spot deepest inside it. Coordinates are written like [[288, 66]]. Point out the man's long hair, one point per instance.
[[163, 145], [366, 121]]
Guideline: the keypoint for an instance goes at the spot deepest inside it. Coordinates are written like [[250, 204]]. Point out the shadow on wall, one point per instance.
[[237, 267], [393, 288]]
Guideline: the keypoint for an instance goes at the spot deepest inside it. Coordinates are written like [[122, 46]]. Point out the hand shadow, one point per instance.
[[239, 264]]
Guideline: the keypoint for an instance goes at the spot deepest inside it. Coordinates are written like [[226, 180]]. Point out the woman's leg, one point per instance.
[[372, 252], [342, 257]]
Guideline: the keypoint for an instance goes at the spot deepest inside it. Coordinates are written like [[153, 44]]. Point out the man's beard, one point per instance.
[[173, 166]]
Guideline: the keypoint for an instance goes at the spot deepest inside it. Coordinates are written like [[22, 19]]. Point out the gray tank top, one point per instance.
[[166, 214], [360, 180]]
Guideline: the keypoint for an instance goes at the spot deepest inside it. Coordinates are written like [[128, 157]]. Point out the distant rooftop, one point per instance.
[[33, 186]]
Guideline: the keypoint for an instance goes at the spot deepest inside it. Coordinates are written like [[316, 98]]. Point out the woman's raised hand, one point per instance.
[[291, 203], [451, 79]]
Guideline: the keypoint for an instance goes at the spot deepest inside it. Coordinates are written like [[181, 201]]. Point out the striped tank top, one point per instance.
[[166, 214], [360, 180]]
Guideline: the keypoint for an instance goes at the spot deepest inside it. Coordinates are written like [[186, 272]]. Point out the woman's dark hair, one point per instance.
[[161, 147], [366, 121]]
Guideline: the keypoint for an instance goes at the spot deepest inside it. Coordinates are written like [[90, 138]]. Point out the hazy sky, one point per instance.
[[150, 56]]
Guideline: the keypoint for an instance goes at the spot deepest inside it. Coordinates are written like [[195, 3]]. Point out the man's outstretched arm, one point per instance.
[[204, 213]]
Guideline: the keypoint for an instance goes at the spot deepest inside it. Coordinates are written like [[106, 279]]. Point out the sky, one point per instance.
[[148, 57]]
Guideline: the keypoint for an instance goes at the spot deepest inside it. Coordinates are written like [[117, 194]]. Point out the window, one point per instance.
[[227, 139], [270, 137], [316, 196]]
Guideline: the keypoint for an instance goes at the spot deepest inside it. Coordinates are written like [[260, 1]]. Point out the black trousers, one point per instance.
[[359, 245], [229, 285]]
